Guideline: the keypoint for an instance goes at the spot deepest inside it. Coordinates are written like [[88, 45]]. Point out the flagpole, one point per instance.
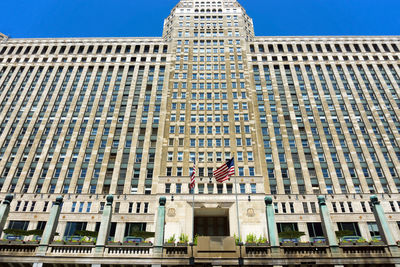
[[194, 186], [193, 216], [237, 205]]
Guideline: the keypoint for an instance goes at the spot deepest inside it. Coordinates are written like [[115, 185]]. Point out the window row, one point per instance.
[[325, 48]]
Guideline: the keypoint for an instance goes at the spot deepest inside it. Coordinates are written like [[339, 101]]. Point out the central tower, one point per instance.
[[209, 114], [208, 19]]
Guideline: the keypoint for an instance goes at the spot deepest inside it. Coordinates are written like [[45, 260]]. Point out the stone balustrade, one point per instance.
[[129, 250], [261, 253]]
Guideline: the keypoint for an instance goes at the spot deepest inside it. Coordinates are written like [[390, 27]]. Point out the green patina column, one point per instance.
[[51, 226], [383, 226], [159, 233], [105, 224], [4, 210], [272, 231], [327, 225]]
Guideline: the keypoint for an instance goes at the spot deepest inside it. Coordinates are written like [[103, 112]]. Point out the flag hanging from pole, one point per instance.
[[193, 176], [225, 172]]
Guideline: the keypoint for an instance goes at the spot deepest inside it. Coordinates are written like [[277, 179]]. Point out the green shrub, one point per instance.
[[171, 239], [262, 239], [251, 238], [291, 234], [183, 238]]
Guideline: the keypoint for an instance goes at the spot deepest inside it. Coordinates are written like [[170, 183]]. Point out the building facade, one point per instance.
[[302, 117]]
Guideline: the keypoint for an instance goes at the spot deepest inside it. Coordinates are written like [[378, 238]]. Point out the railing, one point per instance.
[[128, 250], [178, 250], [18, 248], [285, 252], [70, 249]]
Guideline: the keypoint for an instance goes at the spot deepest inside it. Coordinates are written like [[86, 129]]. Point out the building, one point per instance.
[[302, 117]]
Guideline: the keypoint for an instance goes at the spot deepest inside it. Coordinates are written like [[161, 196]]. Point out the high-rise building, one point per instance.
[[301, 116]]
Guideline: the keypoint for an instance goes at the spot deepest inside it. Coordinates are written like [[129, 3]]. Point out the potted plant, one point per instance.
[[16, 236], [73, 240], [237, 239], [290, 237], [304, 244], [170, 241], [183, 240], [341, 234], [195, 240], [319, 241], [262, 241], [37, 234], [251, 240], [362, 242], [87, 237], [113, 243], [144, 235]]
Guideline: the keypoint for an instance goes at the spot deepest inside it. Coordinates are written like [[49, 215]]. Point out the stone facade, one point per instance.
[[302, 116]]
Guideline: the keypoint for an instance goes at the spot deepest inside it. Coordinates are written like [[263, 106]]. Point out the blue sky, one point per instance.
[[134, 18]]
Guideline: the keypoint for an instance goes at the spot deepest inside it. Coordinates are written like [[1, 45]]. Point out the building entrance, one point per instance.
[[211, 222]]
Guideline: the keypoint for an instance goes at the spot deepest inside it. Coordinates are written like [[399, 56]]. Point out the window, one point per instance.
[[242, 188], [72, 227], [132, 228], [350, 226], [315, 229], [373, 230]]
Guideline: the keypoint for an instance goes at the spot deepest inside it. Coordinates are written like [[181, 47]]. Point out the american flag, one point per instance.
[[193, 176], [224, 172]]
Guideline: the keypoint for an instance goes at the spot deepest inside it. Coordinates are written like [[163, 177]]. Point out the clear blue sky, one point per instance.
[[134, 18]]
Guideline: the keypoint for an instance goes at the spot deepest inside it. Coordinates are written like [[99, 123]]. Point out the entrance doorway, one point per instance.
[[211, 222]]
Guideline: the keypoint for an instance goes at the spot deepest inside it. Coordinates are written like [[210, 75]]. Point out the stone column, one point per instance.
[[383, 226], [4, 210], [272, 231], [159, 233], [105, 224], [51, 227], [327, 226]]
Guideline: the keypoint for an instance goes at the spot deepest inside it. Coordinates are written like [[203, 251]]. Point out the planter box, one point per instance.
[[380, 243], [17, 242], [288, 244], [4, 242], [304, 244], [145, 244], [87, 243], [130, 243], [265, 244], [72, 243], [115, 244], [32, 242], [251, 244], [320, 244], [362, 244], [179, 244], [58, 243], [166, 244]]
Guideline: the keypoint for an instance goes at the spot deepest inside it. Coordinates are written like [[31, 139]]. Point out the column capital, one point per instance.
[[321, 200], [59, 200], [8, 199], [110, 199], [374, 200], [268, 201], [162, 201]]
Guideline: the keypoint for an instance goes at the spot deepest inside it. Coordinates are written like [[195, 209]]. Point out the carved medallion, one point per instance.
[[250, 212], [171, 212]]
